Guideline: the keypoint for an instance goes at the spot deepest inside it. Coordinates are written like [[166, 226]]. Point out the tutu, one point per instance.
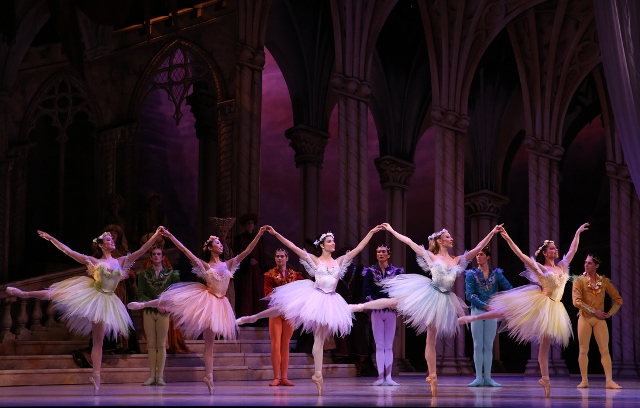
[[195, 309], [309, 307], [83, 300], [533, 312]]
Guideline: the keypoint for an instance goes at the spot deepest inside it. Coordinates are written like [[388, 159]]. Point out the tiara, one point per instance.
[[102, 236], [544, 244], [322, 237], [210, 239], [437, 235]]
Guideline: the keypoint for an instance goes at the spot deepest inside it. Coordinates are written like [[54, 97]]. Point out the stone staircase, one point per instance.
[[50, 361]]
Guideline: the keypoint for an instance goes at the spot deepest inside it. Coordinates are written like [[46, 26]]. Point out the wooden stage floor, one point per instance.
[[517, 391]]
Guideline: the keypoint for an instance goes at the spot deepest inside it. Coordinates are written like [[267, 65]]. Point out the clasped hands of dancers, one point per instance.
[[88, 304]]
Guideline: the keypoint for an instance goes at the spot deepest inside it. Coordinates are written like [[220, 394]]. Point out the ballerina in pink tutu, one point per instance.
[[314, 305], [535, 313], [200, 308], [88, 303]]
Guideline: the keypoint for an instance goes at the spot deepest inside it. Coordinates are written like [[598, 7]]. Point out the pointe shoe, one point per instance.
[[465, 319], [275, 382], [286, 382], [546, 384], [583, 384], [490, 383], [209, 382], [150, 381], [95, 380], [612, 385], [161, 382], [245, 320], [135, 305], [15, 292], [379, 381], [317, 378], [389, 381], [433, 383], [478, 382]]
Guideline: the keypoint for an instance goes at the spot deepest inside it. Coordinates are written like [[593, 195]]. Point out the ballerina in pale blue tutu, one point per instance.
[[429, 304], [314, 305]]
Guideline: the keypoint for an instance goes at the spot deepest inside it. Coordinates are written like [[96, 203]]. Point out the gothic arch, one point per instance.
[[175, 68]]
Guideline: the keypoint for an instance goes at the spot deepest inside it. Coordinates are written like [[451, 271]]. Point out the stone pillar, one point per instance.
[[250, 65], [204, 107], [394, 178], [625, 243], [353, 192], [451, 129], [226, 114], [107, 164], [544, 206], [126, 163], [309, 144], [483, 208]]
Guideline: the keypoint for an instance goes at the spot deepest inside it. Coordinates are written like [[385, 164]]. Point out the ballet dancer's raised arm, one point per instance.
[[194, 259], [404, 239], [355, 251], [77, 256], [530, 263], [132, 257], [251, 245], [471, 254], [300, 252], [576, 240]]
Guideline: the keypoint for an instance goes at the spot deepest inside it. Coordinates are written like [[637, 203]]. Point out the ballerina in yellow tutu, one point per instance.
[[534, 313], [88, 304]]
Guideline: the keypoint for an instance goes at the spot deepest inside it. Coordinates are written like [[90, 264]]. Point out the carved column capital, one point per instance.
[[308, 143], [251, 57], [351, 87], [120, 135], [394, 172], [449, 119], [484, 202], [618, 171], [543, 148]]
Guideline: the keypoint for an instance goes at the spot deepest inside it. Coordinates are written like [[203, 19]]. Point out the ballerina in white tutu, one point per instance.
[[200, 308], [314, 305], [535, 313], [88, 303], [429, 304]]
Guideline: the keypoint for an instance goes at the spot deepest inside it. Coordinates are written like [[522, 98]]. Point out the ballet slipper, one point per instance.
[[612, 385], [317, 378], [546, 384], [275, 382], [15, 292], [245, 320], [95, 380], [465, 319], [286, 382], [488, 382], [478, 382], [135, 305], [583, 384], [379, 381], [161, 382], [389, 381], [208, 379], [150, 381], [432, 379]]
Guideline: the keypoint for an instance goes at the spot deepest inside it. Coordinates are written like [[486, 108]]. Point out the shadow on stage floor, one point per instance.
[[517, 391]]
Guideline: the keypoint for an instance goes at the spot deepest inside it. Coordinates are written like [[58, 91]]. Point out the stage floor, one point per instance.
[[414, 391]]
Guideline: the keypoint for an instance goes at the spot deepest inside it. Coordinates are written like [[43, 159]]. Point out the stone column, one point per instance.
[[226, 114], [394, 178], [625, 242], [107, 164], [353, 192], [483, 208], [451, 129], [250, 65], [544, 205], [126, 160], [204, 107], [309, 144]]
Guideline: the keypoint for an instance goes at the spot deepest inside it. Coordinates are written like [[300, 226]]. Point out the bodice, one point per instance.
[[326, 277], [443, 277], [553, 284], [217, 277], [106, 279]]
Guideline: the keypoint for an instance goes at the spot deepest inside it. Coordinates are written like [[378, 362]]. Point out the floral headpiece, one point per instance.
[[102, 236], [322, 237], [210, 240], [437, 235], [543, 246]]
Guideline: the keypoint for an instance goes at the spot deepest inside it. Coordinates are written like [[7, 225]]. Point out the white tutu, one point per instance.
[[422, 304], [196, 309], [81, 303], [311, 308]]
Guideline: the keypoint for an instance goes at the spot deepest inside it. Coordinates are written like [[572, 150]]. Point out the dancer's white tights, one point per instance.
[[383, 324]]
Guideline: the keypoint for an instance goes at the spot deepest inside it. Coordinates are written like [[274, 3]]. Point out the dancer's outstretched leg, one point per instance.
[[484, 316], [377, 304], [142, 305], [97, 330], [430, 356], [319, 337], [270, 312], [38, 294]]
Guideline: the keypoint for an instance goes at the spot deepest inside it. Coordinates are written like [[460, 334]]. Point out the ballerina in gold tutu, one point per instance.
[[534, 313]]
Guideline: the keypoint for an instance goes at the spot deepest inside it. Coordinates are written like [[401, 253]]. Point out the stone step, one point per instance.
[[111, 375], [227, 346]]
